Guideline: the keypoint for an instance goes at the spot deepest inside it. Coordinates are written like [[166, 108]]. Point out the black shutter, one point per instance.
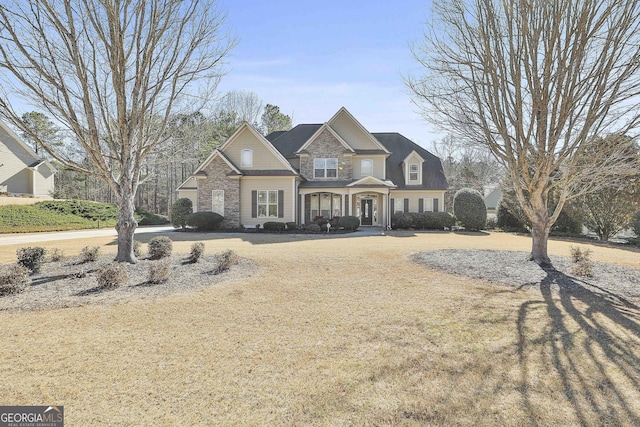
[[280, 204], [393, 206], [406, 205], [254, 204], [420, 205], [435, 205]]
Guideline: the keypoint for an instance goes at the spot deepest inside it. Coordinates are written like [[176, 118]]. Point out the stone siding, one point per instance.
[[327, 146], [217, 179]]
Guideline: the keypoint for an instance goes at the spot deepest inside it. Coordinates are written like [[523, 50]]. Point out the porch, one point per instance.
[[370, 205]]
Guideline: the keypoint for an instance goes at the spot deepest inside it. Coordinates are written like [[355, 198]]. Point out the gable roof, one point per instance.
[[213, 155], [343, 112], [289, 142], [400, 147], [37, 160], [332, 132], [247, 127]]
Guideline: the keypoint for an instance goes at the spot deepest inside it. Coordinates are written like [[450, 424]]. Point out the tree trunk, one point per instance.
[[126, 226], [539, 254]]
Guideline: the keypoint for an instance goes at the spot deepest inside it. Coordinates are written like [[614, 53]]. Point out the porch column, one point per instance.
[[385, 209], [303, 203], [342, 207]]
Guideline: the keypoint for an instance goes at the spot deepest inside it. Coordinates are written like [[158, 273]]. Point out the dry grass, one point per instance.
[[334, 332]]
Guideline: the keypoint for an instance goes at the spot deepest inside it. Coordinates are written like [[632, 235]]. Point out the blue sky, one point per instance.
[[311, 58]]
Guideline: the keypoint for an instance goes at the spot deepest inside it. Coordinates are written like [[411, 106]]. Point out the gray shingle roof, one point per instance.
[[288, 143], [400, 147]]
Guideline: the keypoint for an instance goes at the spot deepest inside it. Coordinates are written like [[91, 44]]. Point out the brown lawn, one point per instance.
[[333, 332]]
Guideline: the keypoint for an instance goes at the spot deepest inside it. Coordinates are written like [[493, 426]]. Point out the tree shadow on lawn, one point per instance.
[[589, 341]]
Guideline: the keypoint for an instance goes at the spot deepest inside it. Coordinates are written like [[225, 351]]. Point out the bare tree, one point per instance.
[[533, 81], [466, 167], [112, 72], [247, 106]]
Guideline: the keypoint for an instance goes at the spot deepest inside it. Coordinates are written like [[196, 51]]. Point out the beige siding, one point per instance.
[[44, 181], [415, 195], [248, 184], [263, 158], [378, 166], [14, 159], [352, 134], [191, 195]]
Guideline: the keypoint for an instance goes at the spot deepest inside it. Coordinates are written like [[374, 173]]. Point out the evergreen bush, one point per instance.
[[348, 222], [204, 221], [469, 209], [180, 211]]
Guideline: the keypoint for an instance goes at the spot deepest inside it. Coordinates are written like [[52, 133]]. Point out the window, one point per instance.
[[246, 158], [366, 167], [217, 201], [398, 205], [325, 168], [431, 204], [268, 204], [414, 174]]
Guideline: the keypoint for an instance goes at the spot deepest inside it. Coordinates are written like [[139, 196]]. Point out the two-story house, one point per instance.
[[316, 170]]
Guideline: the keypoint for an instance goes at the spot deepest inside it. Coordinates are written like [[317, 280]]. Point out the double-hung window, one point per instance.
[[366, 167], [325, 168], [414, 174], [268, 204]]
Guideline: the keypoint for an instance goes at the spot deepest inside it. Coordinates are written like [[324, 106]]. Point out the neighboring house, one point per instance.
[[22, 171], [491, 201], [316, 170]]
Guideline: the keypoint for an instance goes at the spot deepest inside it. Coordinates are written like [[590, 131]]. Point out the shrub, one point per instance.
[[159, 272], [145, 217], [506, 220], [313, 228], [93, 211], [292, 226], [159, 247], [197, 250], [55, 254], [582, 264], [89, 254], [567, 224], [491, 224], [14, 279], [349, 222], [442, 220], [31, 257], [635, 223], [180, 211], [469, 209], [225, 260], [274, 226], [204, 221], [401, 221], [137, 249], [112, 276]]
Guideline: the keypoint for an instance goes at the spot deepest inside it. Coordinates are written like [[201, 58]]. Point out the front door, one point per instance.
[[366, 209]]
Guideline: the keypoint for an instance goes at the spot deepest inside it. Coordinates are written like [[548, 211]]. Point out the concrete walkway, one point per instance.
[[20, 238]]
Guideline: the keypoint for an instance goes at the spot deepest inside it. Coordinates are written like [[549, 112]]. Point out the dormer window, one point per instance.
[[246, 158], [414, 172], [366, 167]]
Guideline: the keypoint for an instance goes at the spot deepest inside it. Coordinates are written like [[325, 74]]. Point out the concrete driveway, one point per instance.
[[19, 238]]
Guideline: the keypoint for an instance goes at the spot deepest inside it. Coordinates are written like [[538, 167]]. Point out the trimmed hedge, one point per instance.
[[422, 221], [469, 209], [349, 222], [180, 211], [313, 228], [274, 226], [149, 218], [204, 221]]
